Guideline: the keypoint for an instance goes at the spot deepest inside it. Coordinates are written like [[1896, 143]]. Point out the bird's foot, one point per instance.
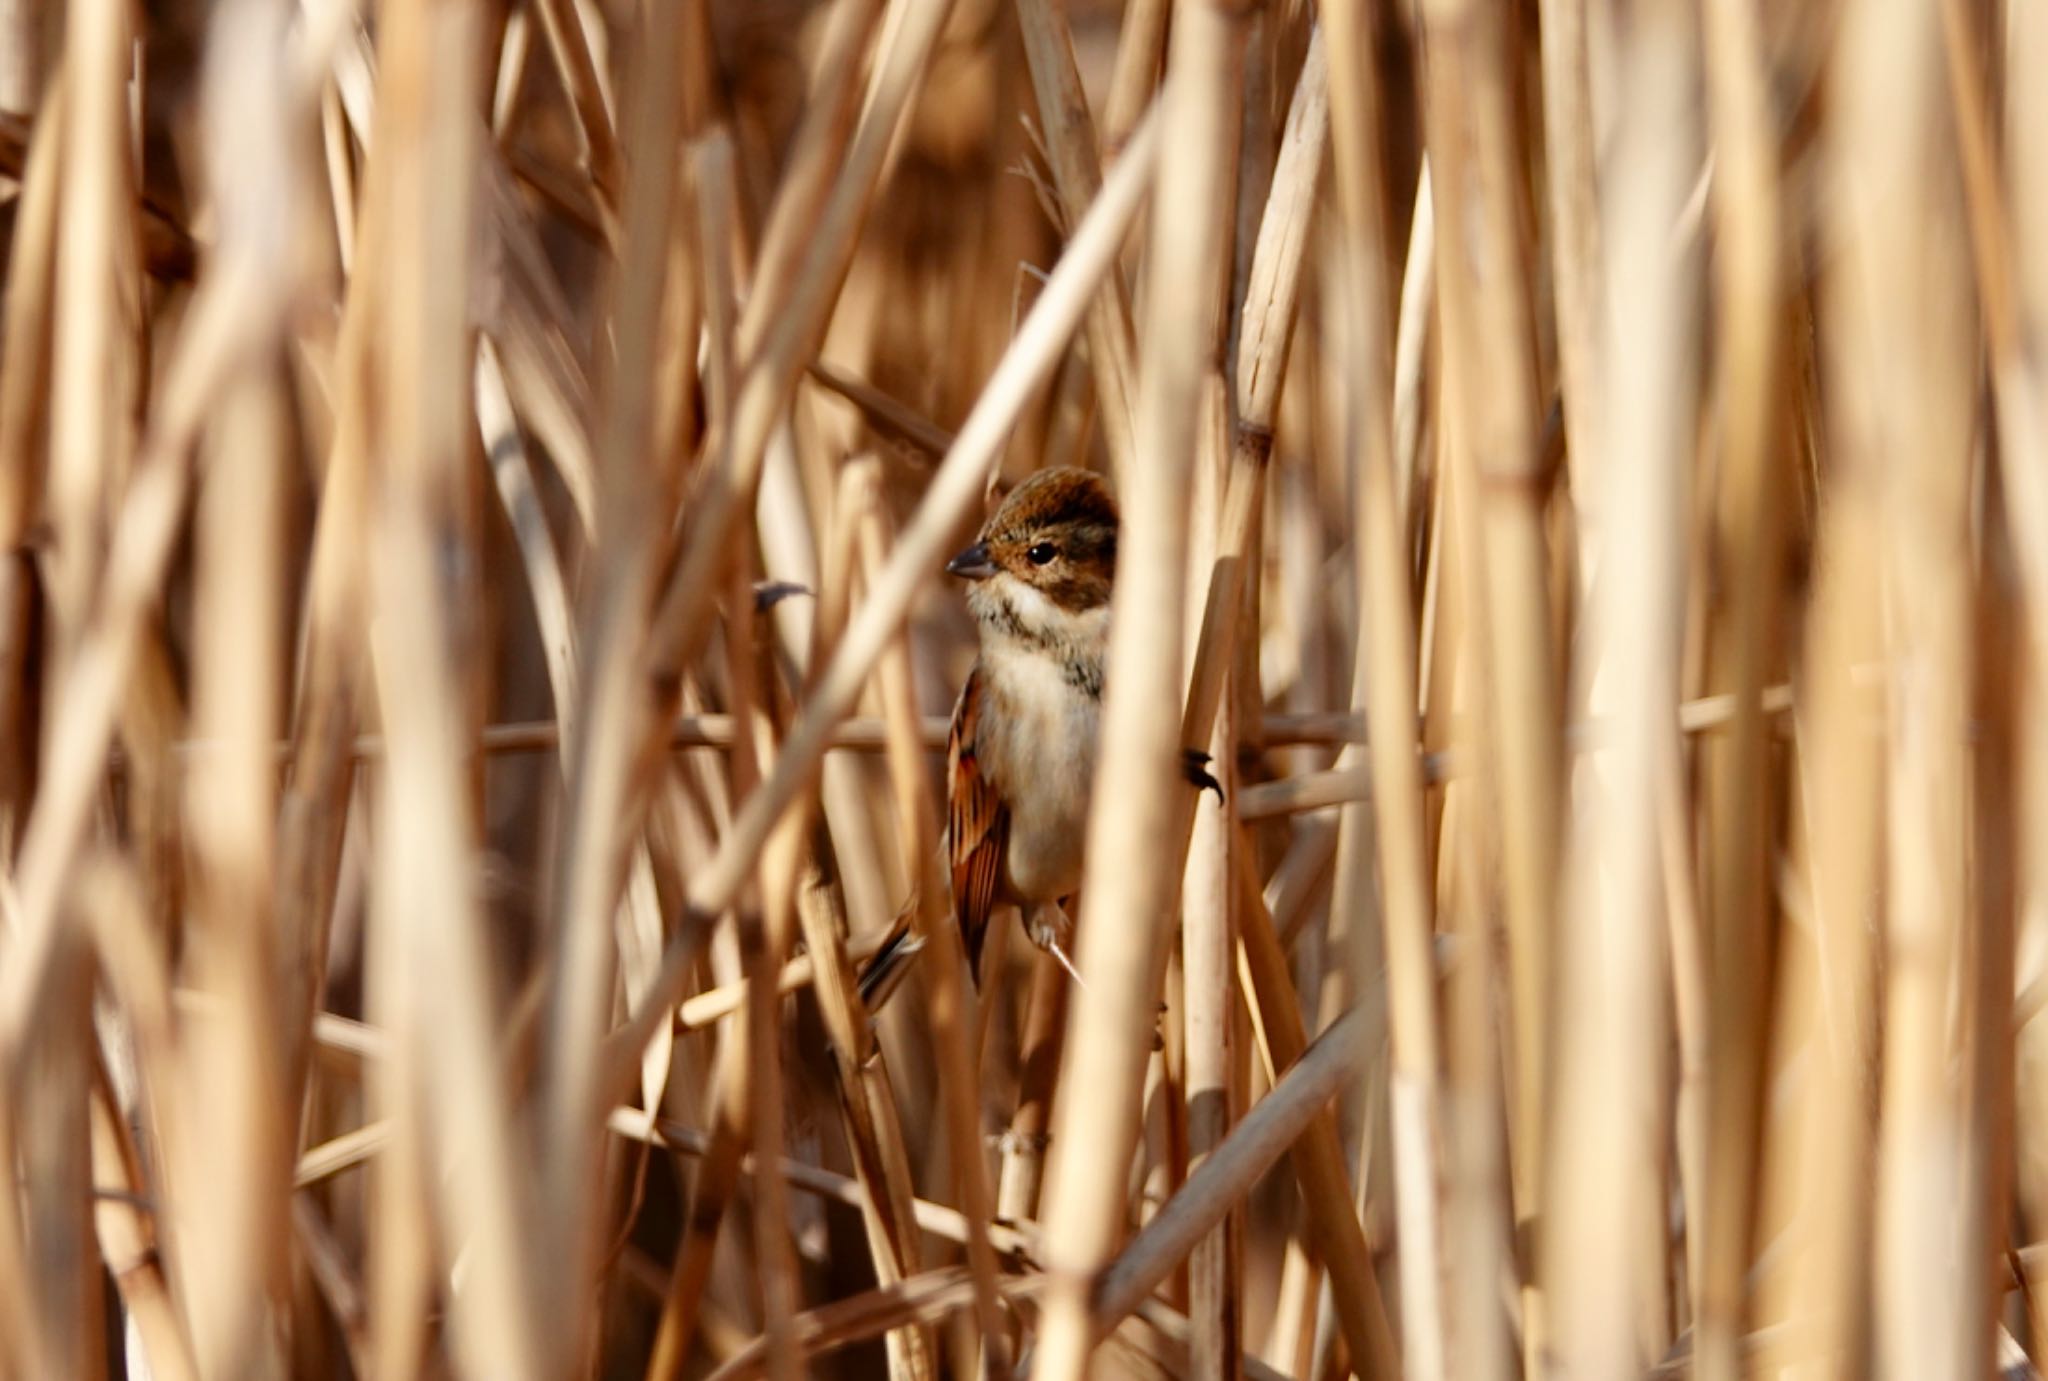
[[1052, 930], [1194, 765]]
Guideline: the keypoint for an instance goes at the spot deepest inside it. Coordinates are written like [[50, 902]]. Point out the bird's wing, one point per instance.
[[977, 825]]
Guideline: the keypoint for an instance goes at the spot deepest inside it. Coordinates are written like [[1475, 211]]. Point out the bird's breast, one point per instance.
[[1036, 742]]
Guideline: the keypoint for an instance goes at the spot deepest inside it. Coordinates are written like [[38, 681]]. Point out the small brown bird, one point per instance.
[[1020, 757]]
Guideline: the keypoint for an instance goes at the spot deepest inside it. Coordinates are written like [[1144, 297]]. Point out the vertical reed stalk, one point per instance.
[[1124, 917], [1385, 672], [1604, 1243], [1483, 298], [1749, 525]]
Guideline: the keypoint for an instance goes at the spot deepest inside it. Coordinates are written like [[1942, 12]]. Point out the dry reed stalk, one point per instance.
[[1319, 1164], [126, 1244], [52, 1081], [1828, 1170], [1411, 339], [453, 1084], [2023, 430], [1987, 980], [1070, 144], [816, 155], [938, 1220], [1488, 338], [1023, 1168], [21, 70], [1920, 389], [603, 760], [1201, 1066], [25, 317], [1227, 535], [1477, 1193], [937, 1293], [313, 803], [710, 1193], [133, 963], [1229, 525], [229, 1143], [1213, 1188], [1124, 917], [764, 942], [1989, 973], [886, 415], [1824, 1295], [1749, 533], [518, 490], [1604, 1239], [570, 46], [92, 368], [1573, 136], [1385, 673], [705, 1008], [1141, 43], [869, 1087], [748, 1061], [955, 1035]]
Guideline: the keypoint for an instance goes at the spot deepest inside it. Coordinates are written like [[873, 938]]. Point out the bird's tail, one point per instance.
[[886, 967]]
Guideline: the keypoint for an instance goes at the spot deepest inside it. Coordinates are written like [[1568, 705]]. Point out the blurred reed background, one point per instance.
[[474, 476]]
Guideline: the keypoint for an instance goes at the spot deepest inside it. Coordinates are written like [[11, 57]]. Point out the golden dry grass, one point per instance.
[[473, 483]]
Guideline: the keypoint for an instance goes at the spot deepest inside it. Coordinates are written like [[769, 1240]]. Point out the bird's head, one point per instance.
[[1049, 548]]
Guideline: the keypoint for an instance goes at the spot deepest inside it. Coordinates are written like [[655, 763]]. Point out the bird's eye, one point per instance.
[[1042, 553]]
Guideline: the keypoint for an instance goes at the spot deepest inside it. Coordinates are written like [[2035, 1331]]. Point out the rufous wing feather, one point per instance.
[[977, 825]]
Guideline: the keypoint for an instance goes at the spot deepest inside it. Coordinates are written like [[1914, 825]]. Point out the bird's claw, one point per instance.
[[1059, 952], [1194, 765]]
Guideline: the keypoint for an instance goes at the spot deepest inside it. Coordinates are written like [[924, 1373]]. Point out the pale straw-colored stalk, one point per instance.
[[1384, 676], [1719, 1138], [1485, 314], [1906, 284], [1125, 917], [1603, 1245]]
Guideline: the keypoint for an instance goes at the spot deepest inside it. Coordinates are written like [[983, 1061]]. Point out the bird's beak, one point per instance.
[[972, 564]]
